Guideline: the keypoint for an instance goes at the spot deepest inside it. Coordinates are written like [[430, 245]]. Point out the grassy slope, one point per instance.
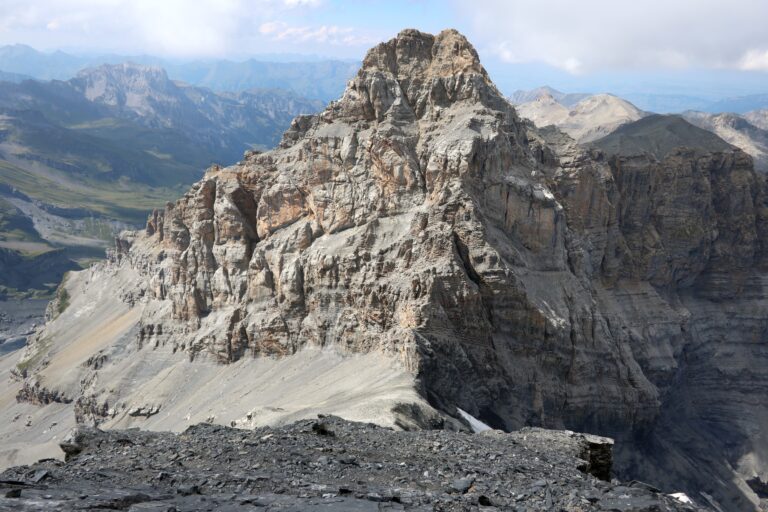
[[115, 169], [15, 227], [125, 201], [106, 149]]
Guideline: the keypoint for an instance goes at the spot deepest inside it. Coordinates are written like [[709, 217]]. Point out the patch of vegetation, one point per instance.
[[41, 348], [7, 293], [37, 276], [63, 302], [99, 151], [129, 202], [15, 226]]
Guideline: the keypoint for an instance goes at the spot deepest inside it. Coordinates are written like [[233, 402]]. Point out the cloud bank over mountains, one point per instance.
[[203, 28], [593, 35], [578, 37]]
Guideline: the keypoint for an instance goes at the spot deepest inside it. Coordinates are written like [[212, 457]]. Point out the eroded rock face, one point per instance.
[[411, 217], [517, 275]]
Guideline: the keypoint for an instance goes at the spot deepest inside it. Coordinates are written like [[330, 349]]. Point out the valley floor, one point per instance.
[[18, 318]]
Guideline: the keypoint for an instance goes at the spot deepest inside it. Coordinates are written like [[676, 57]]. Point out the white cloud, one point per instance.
[[167, 27], [755, 60], [175, 27], [271, 27], [577, 36], [302, 3], [589, 35], [330, 34]]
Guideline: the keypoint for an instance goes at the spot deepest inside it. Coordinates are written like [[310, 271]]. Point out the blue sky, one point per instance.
[[709, 47]]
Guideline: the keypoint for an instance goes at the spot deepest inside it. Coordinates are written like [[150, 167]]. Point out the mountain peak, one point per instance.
[[126, 70], [546, 97], [417, 55], [660, 135], [416, 74]]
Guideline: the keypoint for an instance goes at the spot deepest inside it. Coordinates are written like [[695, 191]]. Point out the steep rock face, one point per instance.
[[514, 274], [404, 219], [127, 86]]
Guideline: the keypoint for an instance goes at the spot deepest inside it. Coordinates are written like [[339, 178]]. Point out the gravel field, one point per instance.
[[327, 464]]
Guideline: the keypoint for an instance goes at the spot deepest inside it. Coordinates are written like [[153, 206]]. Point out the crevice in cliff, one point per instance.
[[485, 293], [759, 487], [463, 251]]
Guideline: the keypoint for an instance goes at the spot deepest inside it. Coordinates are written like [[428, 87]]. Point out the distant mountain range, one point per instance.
[[12, 77], [129, 121], [600, 115], [318, 78], [659, 103], [315, 79], [741, 131], [590, 118], [521, 96], [84, 158], [758, 118]]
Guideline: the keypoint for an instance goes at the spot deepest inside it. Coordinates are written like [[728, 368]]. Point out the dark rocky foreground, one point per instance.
[[327, 464]]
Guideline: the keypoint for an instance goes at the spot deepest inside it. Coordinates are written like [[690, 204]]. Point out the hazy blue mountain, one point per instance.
[[25, 60], [740, 104], [566, 99], [84, 158], [677, 103], [666, 103], [662, 103], [649, 102], [12, 77], [138, 108], [323, 80], [314, 78]]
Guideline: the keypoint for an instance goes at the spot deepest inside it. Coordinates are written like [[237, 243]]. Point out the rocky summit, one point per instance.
[[418, 256], [324, 465]]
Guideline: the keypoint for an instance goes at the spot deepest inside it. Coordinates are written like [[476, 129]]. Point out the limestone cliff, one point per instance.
[[505, 270]]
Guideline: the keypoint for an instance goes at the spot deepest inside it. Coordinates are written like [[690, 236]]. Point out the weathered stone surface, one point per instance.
[[300, 467], [515, 275]]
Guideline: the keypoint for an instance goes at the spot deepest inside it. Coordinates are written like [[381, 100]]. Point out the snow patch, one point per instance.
[[682, 498], [475, 424]]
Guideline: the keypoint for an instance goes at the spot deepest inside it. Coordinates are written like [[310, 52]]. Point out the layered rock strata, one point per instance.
[[504, 270]]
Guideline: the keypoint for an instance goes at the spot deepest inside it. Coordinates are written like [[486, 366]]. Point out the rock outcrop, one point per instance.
[[324, 465], [508, 271]]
